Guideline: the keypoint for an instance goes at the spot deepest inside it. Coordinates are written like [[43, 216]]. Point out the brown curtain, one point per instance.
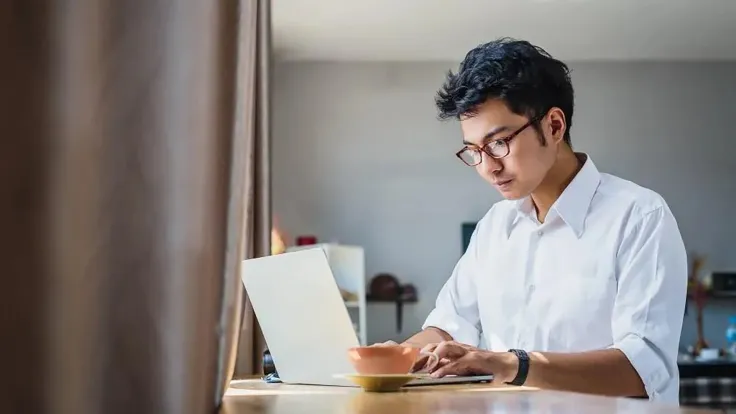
[[133, 162], [256, 75]]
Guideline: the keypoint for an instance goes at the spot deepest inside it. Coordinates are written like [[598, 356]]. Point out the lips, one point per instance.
[[502, 183]]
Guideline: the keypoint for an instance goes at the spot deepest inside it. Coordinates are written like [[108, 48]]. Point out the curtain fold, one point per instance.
[[135, 133], [256, 68]]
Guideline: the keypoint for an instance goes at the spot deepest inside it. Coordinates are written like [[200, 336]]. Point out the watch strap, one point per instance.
[[523, 367]]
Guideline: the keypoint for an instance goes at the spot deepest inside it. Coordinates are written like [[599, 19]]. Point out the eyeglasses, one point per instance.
[[495, 149]]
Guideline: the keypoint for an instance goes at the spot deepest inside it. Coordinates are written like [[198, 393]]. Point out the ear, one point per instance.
[[557, 125]]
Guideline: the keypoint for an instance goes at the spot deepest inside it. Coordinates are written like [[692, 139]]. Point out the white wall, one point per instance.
[[360, 158]]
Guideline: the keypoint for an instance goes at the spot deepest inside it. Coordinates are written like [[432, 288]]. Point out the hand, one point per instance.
[[463, 359], [446, 351], [421, 362]]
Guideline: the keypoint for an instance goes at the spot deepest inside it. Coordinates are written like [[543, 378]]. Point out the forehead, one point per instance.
[[491, 115]]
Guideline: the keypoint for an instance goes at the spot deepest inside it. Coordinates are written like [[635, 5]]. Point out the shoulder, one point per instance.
[[649, 237], [634, 201], [643, 213]]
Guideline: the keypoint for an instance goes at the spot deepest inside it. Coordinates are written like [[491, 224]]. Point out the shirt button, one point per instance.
[[540, 232], [531, 289]]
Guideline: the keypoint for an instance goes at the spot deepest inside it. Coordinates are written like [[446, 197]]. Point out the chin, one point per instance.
[[512, 194]]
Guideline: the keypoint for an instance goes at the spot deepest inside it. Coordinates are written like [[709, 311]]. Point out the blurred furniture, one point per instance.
[[348, 268], [467, 230], [709, 384], [386, 288]]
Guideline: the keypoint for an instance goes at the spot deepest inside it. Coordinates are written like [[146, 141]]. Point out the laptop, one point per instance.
[[304, 320]]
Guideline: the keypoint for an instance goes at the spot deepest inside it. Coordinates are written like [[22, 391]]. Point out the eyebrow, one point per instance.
[[489, 135]]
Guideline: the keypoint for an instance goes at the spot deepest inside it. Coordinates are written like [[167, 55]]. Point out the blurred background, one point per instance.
[[359, 157]]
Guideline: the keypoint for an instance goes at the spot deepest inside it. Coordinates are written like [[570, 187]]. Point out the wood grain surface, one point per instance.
[[257, 397]]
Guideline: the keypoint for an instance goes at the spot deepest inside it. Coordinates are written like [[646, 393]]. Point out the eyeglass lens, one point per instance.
[[473, 156]]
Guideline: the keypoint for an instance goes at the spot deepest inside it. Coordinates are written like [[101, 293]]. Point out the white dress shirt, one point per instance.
[[606, 269]]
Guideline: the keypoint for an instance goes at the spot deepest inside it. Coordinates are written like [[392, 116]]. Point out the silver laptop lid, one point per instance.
[[302, 316]]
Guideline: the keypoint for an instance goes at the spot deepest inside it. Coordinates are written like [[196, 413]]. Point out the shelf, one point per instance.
[[376, 300], [398, 302]]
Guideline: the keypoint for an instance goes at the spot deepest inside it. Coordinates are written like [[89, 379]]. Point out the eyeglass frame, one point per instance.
[[507, 139]]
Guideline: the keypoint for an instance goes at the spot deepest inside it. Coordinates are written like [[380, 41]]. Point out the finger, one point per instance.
[[429, 347], [424, 365], [419, 364], [451, 350], [458, 367], [469, 364], [442, 362], [422, 361]]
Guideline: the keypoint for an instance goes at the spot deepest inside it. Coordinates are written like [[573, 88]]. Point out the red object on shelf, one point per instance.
[[306, 240]]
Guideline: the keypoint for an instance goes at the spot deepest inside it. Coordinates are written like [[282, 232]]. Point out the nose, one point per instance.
[[489, 164]]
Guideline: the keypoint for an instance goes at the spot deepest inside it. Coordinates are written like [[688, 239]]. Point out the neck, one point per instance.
[[557, 179]]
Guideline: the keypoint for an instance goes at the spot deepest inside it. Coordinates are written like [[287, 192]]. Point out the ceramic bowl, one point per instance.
[[378, 360], [380, 383]]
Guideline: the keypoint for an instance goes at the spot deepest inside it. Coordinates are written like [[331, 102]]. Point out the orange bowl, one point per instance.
[[384, 359]]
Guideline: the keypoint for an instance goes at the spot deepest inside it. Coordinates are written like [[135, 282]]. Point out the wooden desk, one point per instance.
[[258, 397]]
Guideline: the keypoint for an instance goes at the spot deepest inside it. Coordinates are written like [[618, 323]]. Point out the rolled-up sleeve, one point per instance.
[[650, 302], [456, 307]]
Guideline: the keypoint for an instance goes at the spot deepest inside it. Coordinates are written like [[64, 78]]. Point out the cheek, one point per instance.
[[480, 169], [484, 172], [529, 166]]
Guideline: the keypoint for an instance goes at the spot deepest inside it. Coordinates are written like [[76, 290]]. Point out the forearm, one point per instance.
[[428, 336], [606, 372]]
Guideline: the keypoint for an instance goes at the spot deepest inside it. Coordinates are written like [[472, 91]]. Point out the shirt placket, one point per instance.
[[526, 327]]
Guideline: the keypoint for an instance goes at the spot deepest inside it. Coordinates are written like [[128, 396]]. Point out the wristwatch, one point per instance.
[[523, 367]]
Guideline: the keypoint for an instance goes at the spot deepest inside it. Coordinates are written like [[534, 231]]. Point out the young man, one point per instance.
[[577, 281]]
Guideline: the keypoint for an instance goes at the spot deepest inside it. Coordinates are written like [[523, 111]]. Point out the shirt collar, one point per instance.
[[573, 204]]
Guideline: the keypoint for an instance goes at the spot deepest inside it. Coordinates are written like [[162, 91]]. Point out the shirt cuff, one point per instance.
[[647, 362], [460, 329]]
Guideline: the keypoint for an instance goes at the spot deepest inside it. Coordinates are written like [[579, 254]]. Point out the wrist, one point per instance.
[[518, 367], [511, 366]]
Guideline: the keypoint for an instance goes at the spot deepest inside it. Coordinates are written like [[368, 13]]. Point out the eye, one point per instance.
[[499, 143]]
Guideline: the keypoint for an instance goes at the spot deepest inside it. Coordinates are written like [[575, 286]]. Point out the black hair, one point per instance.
[[524, 76]]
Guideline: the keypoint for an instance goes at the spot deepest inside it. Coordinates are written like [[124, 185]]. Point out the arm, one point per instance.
[[646, 323], [604, 372], [650, 304]]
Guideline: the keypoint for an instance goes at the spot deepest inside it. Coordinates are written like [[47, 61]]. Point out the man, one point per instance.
[[577, 281]]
